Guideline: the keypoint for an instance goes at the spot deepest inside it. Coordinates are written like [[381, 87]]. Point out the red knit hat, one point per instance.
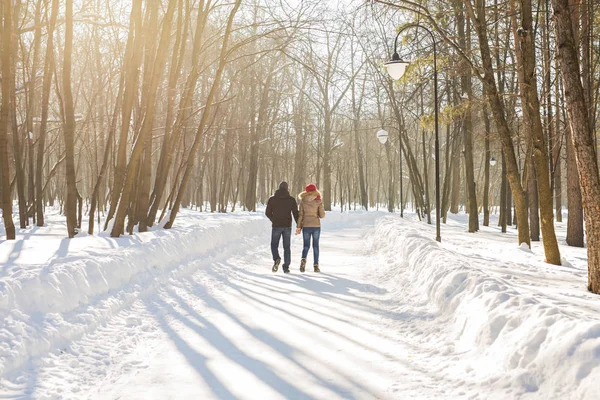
[[311, 187]]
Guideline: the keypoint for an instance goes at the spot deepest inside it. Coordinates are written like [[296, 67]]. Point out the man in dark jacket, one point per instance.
[[280, 209]]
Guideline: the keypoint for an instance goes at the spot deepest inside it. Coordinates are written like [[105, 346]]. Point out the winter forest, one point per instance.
[[141, 140]]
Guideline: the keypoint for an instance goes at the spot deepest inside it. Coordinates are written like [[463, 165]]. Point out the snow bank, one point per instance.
[[66, 283], [520, 333], [45, 306]]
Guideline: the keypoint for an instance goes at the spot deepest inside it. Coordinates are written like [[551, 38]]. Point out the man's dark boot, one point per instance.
[[302, 265], [276, 265], [317, 268]]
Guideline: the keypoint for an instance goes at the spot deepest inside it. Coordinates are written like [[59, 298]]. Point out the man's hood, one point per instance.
[[282, 193]]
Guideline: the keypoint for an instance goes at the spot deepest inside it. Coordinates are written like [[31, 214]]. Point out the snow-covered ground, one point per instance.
[[194, 312]]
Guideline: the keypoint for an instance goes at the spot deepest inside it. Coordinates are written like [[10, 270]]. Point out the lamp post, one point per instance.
[[396, 68], [382, 136]]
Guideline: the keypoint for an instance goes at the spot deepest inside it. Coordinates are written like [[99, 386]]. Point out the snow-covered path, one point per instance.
[[197, 314], [234, 330]]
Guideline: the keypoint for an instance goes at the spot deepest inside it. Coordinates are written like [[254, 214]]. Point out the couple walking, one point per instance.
[[280, 209]]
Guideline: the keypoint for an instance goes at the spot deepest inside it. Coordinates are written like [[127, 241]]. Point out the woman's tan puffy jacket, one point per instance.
[[311, 210]]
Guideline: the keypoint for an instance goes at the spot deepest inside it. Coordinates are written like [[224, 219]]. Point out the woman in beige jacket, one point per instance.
[[309, 222]]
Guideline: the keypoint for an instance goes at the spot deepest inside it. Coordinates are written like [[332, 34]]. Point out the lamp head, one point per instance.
[[382, 136], [396, 67], [492, 161]]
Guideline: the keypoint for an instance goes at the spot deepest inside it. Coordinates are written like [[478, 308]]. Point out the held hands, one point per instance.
[[298, 230]]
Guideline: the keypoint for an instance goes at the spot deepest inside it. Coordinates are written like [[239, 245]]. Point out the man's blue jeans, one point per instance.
[[306, 234], [276, 234]]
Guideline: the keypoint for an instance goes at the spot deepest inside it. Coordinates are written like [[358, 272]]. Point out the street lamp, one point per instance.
[[396, 68], [382, 136], [492, 161]]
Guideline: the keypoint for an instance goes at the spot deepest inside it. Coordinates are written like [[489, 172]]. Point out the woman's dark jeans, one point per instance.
[[306, 234]]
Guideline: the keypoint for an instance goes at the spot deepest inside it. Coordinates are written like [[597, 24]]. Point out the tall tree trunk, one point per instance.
[[486, 178], [17, 149], [69, 127], [133, 54], [533, 122], [427, 202], [497, 106], [455, 195], [391, 189], [179, 48], [143, 196], [32, 110], [250, 200], [553, 144], [547, 92], [503, 220], [356, 108], [586, 58], [556, 154], [7, 44], [532, 196], [510, 220], [575, 235], [214, 176], [467, 89], [46, 87], [451, 151], [327, 156], [582, 139], [400, 177], [226, 174]]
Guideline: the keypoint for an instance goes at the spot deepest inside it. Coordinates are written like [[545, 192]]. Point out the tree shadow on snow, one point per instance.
[[265, 299], [195, 358], [207, 330], [322, 282], [7, 268], [285, 349], [273, 284]]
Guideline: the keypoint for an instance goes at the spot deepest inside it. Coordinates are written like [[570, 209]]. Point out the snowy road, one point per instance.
[[233, 330]]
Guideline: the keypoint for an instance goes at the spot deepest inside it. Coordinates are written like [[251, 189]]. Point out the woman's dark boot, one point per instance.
[[317, 268], [302, 265]]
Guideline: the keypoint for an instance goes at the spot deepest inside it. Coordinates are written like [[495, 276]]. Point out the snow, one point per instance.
[[505, 318], [47, 280], [194, 312]]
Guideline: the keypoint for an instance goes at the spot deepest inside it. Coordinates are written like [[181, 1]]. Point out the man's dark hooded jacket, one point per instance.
[[281, 207]]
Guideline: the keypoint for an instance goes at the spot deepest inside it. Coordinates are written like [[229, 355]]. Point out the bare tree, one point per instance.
[[583, 142], [205, 115], [5, 118]]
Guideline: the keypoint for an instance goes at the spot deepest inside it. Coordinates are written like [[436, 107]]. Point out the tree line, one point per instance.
[[120, 113]]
